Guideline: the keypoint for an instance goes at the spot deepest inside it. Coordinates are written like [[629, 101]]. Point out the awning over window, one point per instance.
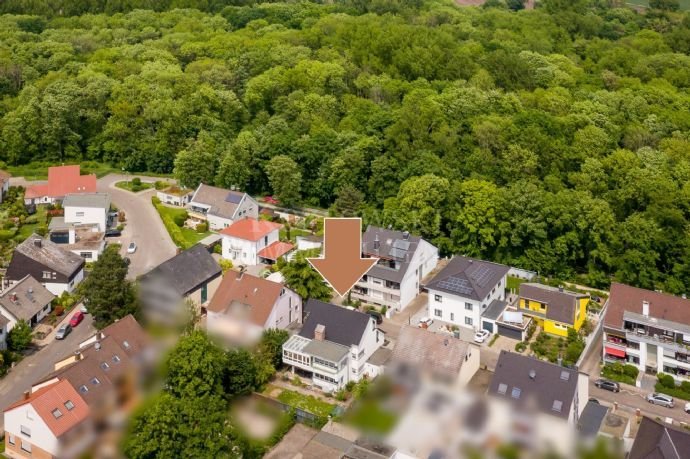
[[615, 352]]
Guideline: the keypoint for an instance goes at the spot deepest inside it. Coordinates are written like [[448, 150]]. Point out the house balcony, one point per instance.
[[665, 341], [389, 288]]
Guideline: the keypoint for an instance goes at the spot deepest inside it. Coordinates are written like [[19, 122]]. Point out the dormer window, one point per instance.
[[57, 414]]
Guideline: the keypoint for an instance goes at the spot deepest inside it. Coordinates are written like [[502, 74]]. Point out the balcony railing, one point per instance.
[[663, 340]]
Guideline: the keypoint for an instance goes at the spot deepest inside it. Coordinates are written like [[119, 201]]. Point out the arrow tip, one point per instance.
[[342, 275]]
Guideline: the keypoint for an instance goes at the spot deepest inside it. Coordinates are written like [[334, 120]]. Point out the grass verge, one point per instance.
[[370, 417], [182, 237], [306, 402], [134, 188]]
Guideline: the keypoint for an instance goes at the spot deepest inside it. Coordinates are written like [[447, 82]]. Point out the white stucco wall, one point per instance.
[[286, 310], [369, 344], [248, 250], [469, 367], [248, 208], [41, 435], [87, 215]]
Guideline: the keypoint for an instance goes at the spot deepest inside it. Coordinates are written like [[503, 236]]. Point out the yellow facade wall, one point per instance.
[[556, 328], [550, 326]]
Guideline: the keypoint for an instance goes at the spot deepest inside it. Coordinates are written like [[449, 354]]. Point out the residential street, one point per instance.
[[40, 363], [144, 225]]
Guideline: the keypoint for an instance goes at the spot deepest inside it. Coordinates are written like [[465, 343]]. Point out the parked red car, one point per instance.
[[76, 318]]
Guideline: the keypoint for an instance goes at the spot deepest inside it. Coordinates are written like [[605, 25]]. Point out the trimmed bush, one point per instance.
[[202, 227], [180, 219], [155, 201], [666, 380], [520, 347], [136, 181]]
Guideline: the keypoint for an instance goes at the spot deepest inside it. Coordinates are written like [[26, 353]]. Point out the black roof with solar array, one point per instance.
[[468, 277]]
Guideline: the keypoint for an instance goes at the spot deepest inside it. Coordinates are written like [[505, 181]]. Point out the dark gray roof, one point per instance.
[[50, 255], [97, 200], [392, 245], [188, 270], [495, 309], [468, 277], [655, 440], [343, 326], [551, 383], [561, 304], [381, 356], [223, 203], [30, 298], [591, 418], [326, 350]]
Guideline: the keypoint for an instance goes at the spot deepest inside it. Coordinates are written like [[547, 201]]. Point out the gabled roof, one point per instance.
[[95, 200], [529, 381], [188, 270], [624, 298], [250, 229], [560, 304], [468, 277], [63, 180], [655, 440], [399, 246], [25, 298], [128, 334], [58, 405], [222, 203], [275, 250], [437, 354], [48, 254], [254, 295], [343, 326]]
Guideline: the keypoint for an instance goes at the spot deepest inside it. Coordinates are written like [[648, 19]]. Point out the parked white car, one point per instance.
[[481, 336], [132, 247], [686, 408], [425, 322]]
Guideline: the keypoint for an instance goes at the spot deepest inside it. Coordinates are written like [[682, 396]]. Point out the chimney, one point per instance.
[[27, 394], [377, 242], [320, 332], [37, 242], [406, 235], [645, 308], [101, 335], [560, 288], [98, 345], [77, 355], [243, 268], [13, 297], [532, 374]]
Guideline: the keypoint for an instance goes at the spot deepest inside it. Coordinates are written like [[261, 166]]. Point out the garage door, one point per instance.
[[488, 326], [509, 332]]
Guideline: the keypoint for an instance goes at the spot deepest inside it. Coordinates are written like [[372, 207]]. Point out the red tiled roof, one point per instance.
[[47, 399], [250, 229], [257, 293], [275, 250], [63, 180], [661, 305]]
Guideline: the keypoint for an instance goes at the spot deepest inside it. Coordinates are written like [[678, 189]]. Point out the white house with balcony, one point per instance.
[[462, 292], [334, 346], [251, 242], [648, 329], [220, 207], [404, 260]]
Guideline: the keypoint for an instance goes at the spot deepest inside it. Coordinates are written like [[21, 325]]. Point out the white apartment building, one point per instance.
[[334, 345], [90, 209], [462, 291], [648, 329], [404, 260]]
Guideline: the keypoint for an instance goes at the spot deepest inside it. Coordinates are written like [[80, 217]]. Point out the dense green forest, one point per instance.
[[556, 139]]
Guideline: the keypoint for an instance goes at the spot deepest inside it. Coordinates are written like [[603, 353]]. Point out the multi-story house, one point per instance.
[[334, 345], [56, 269], [462, 291], [220, 207], [62, 180], [555, 310], [648, 329], [82, 229], [250, 242], [245, 305], [404, 260], [27, 300]]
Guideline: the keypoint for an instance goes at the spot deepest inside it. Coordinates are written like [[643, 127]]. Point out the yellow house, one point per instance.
[[554, 309]]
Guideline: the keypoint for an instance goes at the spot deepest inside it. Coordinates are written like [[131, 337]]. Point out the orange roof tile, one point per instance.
[[275, 250], [63, 180], [57, 397], [250, 229]]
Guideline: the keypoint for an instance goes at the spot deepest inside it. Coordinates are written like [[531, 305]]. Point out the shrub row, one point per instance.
[[170, 225]]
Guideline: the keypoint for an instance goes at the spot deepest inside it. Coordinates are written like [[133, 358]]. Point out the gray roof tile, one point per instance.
[[343, 326], [468, 277], [189, 269], [31, 298], [561, 305]]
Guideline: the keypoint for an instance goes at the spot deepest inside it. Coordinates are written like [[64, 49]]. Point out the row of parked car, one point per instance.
[[66, 329], [655, 398]]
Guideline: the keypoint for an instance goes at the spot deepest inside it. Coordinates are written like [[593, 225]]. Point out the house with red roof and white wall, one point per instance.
[[251, 242], [62, 180], [51, 422]]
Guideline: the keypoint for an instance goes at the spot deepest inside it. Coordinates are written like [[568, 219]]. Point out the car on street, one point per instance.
[[481, 336], [113, 233], [132, 247], [76, 318], [63, 331], [377, 316], [656, 398], [607, 385], [686, 408], [425, 322]]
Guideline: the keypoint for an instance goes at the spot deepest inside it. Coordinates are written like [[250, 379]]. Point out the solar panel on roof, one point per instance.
[[233, 198], [400, 244], [456, 285], [481, 275]]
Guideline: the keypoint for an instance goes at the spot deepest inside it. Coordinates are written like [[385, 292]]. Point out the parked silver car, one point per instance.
[[661, 399], [63, 331]]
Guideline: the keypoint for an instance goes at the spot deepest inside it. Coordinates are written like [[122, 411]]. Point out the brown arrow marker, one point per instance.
[[342, 264]]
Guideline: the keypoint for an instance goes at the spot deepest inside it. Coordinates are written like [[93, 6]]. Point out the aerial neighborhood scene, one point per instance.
[[345, 229]]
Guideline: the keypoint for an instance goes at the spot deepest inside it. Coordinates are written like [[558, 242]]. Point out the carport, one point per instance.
[[491, 315]]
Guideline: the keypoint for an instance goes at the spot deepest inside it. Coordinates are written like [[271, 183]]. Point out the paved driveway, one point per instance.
[[144, 225], [41, 362]]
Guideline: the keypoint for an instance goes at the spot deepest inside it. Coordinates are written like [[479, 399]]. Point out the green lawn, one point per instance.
[[182, 237], [129, 186], [684, 4], [306, 402], [514, 283], [27, 229], [370, 417], [294, 232]]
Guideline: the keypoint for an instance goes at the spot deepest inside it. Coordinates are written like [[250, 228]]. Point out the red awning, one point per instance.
[[615, 352]]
